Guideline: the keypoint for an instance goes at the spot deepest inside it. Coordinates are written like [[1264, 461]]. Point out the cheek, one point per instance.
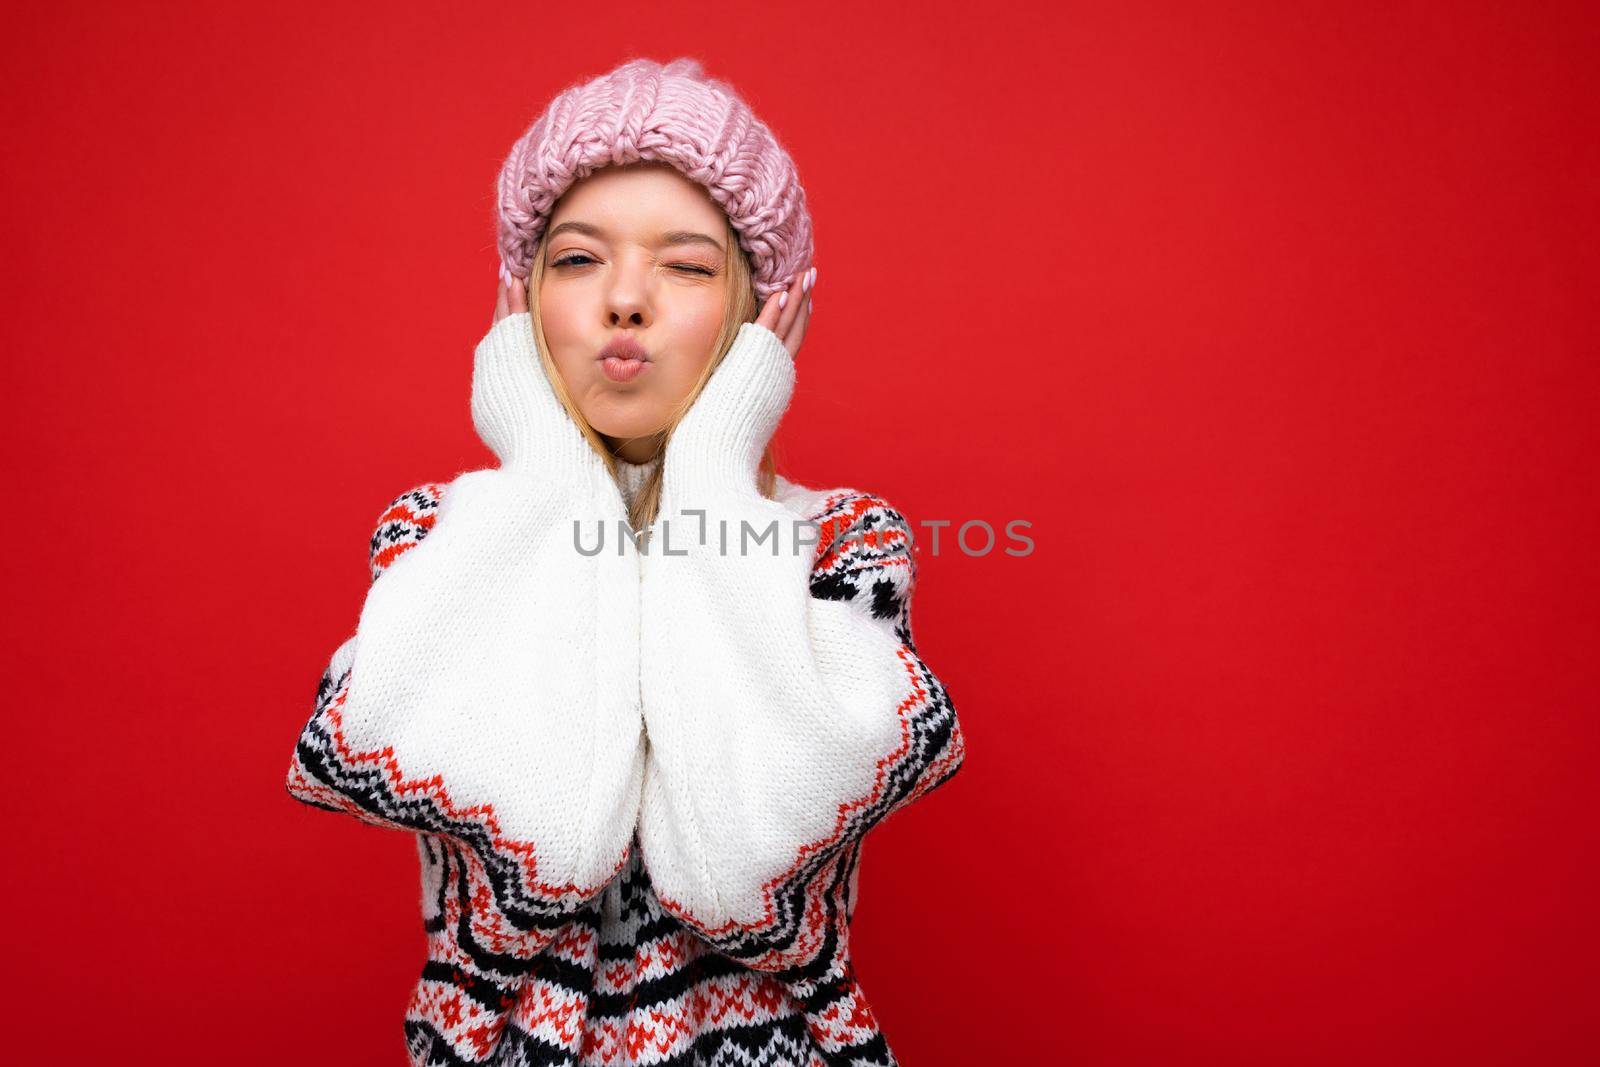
[[568, 344], [698, 322], [567, 316], [695, 330], [556, 312]]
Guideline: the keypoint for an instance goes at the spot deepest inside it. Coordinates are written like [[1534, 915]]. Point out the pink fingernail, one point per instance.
[[783, 299]]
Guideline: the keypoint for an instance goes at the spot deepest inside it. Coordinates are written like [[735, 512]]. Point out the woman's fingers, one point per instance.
[[787, 311], [791, 305], [502, 300], [803, 317], [796, 311], [769, 312], [512, 295]]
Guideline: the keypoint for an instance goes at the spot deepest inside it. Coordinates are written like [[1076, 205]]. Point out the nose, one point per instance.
[[630, 316], [627, 297]]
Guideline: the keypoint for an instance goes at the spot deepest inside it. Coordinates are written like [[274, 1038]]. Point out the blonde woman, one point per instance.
[[638, 696]]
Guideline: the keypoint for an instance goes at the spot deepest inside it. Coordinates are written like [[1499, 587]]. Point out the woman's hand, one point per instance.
[[788, 311], [511, 297]]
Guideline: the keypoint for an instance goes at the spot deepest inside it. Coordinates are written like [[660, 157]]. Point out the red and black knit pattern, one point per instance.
[[403, 523], [866, 557], [618, 979], [622, 983]]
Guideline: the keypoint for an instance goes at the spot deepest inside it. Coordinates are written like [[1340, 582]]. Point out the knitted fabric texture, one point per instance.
[[490, 697], [675, 114], [781, 711], [621, 980]]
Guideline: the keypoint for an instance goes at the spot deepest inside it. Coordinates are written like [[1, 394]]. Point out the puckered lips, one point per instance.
[[623, 358]]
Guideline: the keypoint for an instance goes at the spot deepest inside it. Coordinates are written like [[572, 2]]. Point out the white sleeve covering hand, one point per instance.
[[490, 692], [781, 725]]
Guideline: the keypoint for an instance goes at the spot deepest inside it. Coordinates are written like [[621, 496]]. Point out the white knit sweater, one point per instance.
[[632, 476], [735, 719]]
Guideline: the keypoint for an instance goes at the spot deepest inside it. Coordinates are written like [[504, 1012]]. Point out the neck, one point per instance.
[[634, 449]]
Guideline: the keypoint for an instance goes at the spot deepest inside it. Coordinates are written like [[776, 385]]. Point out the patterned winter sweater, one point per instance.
[[626, 974]]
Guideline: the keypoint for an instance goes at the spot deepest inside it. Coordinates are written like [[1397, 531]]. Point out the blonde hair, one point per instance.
[[739, 307]]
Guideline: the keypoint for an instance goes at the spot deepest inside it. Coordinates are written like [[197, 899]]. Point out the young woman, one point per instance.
[[639, 772]]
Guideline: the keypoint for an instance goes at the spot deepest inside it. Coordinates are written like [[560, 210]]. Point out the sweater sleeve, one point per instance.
[[483, 936], [320, 775], [781, 753], [403, 525], [475, 702]]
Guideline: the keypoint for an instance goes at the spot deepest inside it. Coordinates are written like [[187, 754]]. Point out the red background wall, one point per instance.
[[1277, 323]]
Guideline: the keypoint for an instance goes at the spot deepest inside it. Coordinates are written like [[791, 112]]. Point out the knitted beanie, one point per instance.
[[673, 114]]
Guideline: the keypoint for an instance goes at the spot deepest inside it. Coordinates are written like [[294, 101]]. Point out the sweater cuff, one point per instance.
[[717, 447], [517, 415]]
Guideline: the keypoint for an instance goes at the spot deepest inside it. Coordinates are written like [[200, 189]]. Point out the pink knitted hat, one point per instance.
[[672, 114]]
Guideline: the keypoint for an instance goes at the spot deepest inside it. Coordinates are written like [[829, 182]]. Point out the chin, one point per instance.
[[623, 428]]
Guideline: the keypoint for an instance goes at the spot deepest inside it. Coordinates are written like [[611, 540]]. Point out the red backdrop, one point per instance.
[[1276, 322]]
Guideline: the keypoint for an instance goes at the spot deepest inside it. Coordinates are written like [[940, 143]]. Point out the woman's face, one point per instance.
[[633, 252]]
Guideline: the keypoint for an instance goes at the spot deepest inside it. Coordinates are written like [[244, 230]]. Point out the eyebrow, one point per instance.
[[671, 237]]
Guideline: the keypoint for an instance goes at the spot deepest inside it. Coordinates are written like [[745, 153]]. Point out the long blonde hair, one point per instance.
[[740, 307]]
